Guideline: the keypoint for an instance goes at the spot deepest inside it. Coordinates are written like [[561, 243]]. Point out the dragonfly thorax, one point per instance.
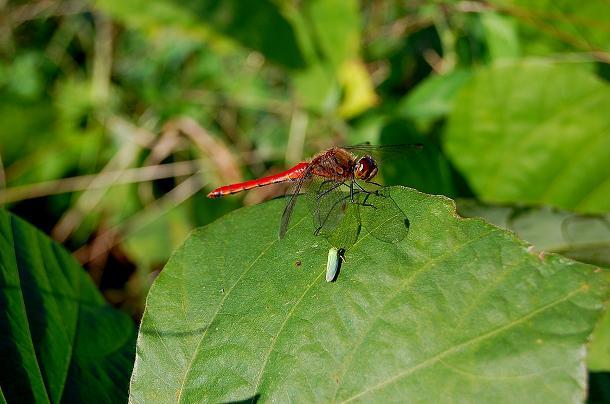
[[365, 168]]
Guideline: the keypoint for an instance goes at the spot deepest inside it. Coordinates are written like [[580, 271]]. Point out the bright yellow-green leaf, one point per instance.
[[336, 28], [599, 348], [359, 93]]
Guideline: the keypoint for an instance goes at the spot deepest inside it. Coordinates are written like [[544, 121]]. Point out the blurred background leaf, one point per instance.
[[580, 26], [534, 133], [584, 238]]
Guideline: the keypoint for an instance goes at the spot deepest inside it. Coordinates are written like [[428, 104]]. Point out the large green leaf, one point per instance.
[[535, 133], [458, 309], [60, 340]]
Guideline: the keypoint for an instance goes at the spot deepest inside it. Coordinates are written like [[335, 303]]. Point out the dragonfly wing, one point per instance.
[[299, 187], [385, 152], [381, 217], [386, 148], [335, 217]]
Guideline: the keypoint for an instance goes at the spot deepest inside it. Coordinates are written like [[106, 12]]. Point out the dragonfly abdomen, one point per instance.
[[292, 174]]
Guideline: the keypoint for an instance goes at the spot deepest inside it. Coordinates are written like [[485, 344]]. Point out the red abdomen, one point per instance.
[[292, 174]]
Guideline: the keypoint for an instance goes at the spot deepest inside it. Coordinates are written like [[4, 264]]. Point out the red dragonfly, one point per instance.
[[334, 167]]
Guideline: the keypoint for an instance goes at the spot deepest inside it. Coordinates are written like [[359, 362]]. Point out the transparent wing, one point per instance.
[[294, 192], [341, 221], [334, 216], [367, 148], [385, 152], [381, 217]]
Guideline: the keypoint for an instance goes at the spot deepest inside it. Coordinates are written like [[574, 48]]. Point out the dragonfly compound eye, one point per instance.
[[366, 168]]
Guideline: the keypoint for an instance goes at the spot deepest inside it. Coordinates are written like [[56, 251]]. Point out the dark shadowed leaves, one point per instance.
[[60, 340]]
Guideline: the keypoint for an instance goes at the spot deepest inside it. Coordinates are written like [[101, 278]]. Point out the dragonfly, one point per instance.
[[350, 166]]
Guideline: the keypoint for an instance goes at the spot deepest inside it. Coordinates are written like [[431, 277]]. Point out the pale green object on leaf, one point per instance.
[[335, 256]]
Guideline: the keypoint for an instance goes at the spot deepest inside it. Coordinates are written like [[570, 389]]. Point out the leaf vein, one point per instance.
[[275, 337], [390, 297], [464, 344]]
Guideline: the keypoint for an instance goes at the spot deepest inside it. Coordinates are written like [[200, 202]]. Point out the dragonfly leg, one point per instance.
[[363, 190], [317, 231], [322, 193], [376, 192], [322, 185], [366, 198]]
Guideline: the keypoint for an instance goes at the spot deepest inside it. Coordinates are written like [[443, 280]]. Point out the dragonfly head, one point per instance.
[[365, 168]]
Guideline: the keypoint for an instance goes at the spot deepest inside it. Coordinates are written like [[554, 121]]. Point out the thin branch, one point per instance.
[[102, 60], [111, 237], [216, 99], [296, 136], [44, 9], [544, 21], [96, 181], [217, 152], [94, 194]]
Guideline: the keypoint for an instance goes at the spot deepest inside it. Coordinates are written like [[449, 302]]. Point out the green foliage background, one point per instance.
[[118, 116]]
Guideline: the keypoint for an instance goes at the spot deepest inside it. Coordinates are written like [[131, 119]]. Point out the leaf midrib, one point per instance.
[[12, 227], [220, 306], [373, 320]]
